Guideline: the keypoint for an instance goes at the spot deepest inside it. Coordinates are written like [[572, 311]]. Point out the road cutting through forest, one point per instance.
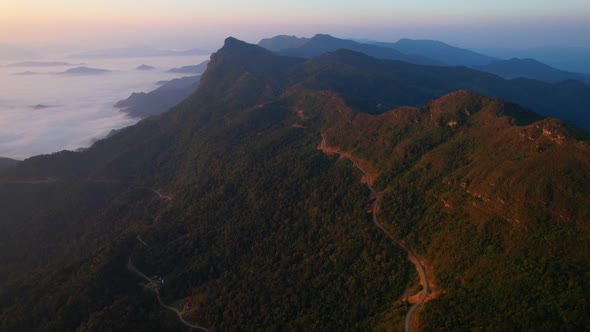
[[154, 284], [410, 321]]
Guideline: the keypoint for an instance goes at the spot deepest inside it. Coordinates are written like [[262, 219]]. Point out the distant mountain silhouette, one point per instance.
[[7, 162], [84, 71], [170, 93], [530, 68], [574, 59], [43, 64], [193, 69], [439, 51], [282, 42], [321, 44], [135, 51], [145, 67], [27, 73], [380, 85], [41, 106]]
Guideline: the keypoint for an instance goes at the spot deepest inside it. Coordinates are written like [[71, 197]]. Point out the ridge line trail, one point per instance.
[[409, 321]]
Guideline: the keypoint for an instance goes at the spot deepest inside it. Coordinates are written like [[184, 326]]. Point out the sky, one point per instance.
[[71, 24]]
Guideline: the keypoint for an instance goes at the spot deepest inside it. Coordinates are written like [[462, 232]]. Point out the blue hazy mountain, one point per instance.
[[41, 106], [530, 68], [575, 59], [145, 67], [282, 42], [170, 93], [43, 64], [7, 162], [136, 51], [192, 69], [321, 44], [84, 71], [27, 73], [439, 51], [420, 52]]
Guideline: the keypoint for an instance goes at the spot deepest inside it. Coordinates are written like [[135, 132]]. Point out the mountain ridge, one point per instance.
[[159, 100], [430, 52], [322, 43], [491, 197], [530, 68], [134, 51], [439, 51], [7, 162]]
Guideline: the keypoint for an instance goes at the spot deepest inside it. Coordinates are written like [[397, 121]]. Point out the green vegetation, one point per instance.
[[264, 231]]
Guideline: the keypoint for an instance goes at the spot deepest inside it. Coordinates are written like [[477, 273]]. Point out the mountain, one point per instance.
[[574, 59], [43, 64], [192, 69], [274, 201], [27, 73], [145, 67], [439, 51], [84, 71], [320, 44], [282, 42], [7, 162], [530, 68], [169, 94], [380, 85], [135, 51], [41, 106]]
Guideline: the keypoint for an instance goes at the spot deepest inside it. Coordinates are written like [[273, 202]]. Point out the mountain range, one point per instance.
[[134, 51], [422, 52], [405, 84], [43, 64], [282, 42], [7, 162], [321, 43], [330, 193], [84, 71], [144, 67], [574, 59], [530, 68], [167, 95], [192, 69], [439, 51]]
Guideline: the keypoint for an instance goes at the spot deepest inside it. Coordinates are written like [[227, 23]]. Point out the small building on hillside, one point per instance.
[[188, 302]]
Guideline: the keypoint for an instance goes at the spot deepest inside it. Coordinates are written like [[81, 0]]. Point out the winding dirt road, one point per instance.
[[154, 285], [167, 198], [410, 320]]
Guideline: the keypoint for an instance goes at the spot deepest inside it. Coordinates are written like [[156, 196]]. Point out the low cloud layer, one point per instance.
[[81, 107]]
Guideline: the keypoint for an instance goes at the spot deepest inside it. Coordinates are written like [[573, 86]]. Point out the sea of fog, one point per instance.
[[80, 107]]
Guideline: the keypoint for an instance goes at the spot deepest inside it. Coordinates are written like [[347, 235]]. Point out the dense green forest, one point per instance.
[[228, 199]]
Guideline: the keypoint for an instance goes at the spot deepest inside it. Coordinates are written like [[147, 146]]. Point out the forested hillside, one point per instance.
[[228, 199]]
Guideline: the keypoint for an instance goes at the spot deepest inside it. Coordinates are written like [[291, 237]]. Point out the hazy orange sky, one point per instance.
[[184, 23]]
